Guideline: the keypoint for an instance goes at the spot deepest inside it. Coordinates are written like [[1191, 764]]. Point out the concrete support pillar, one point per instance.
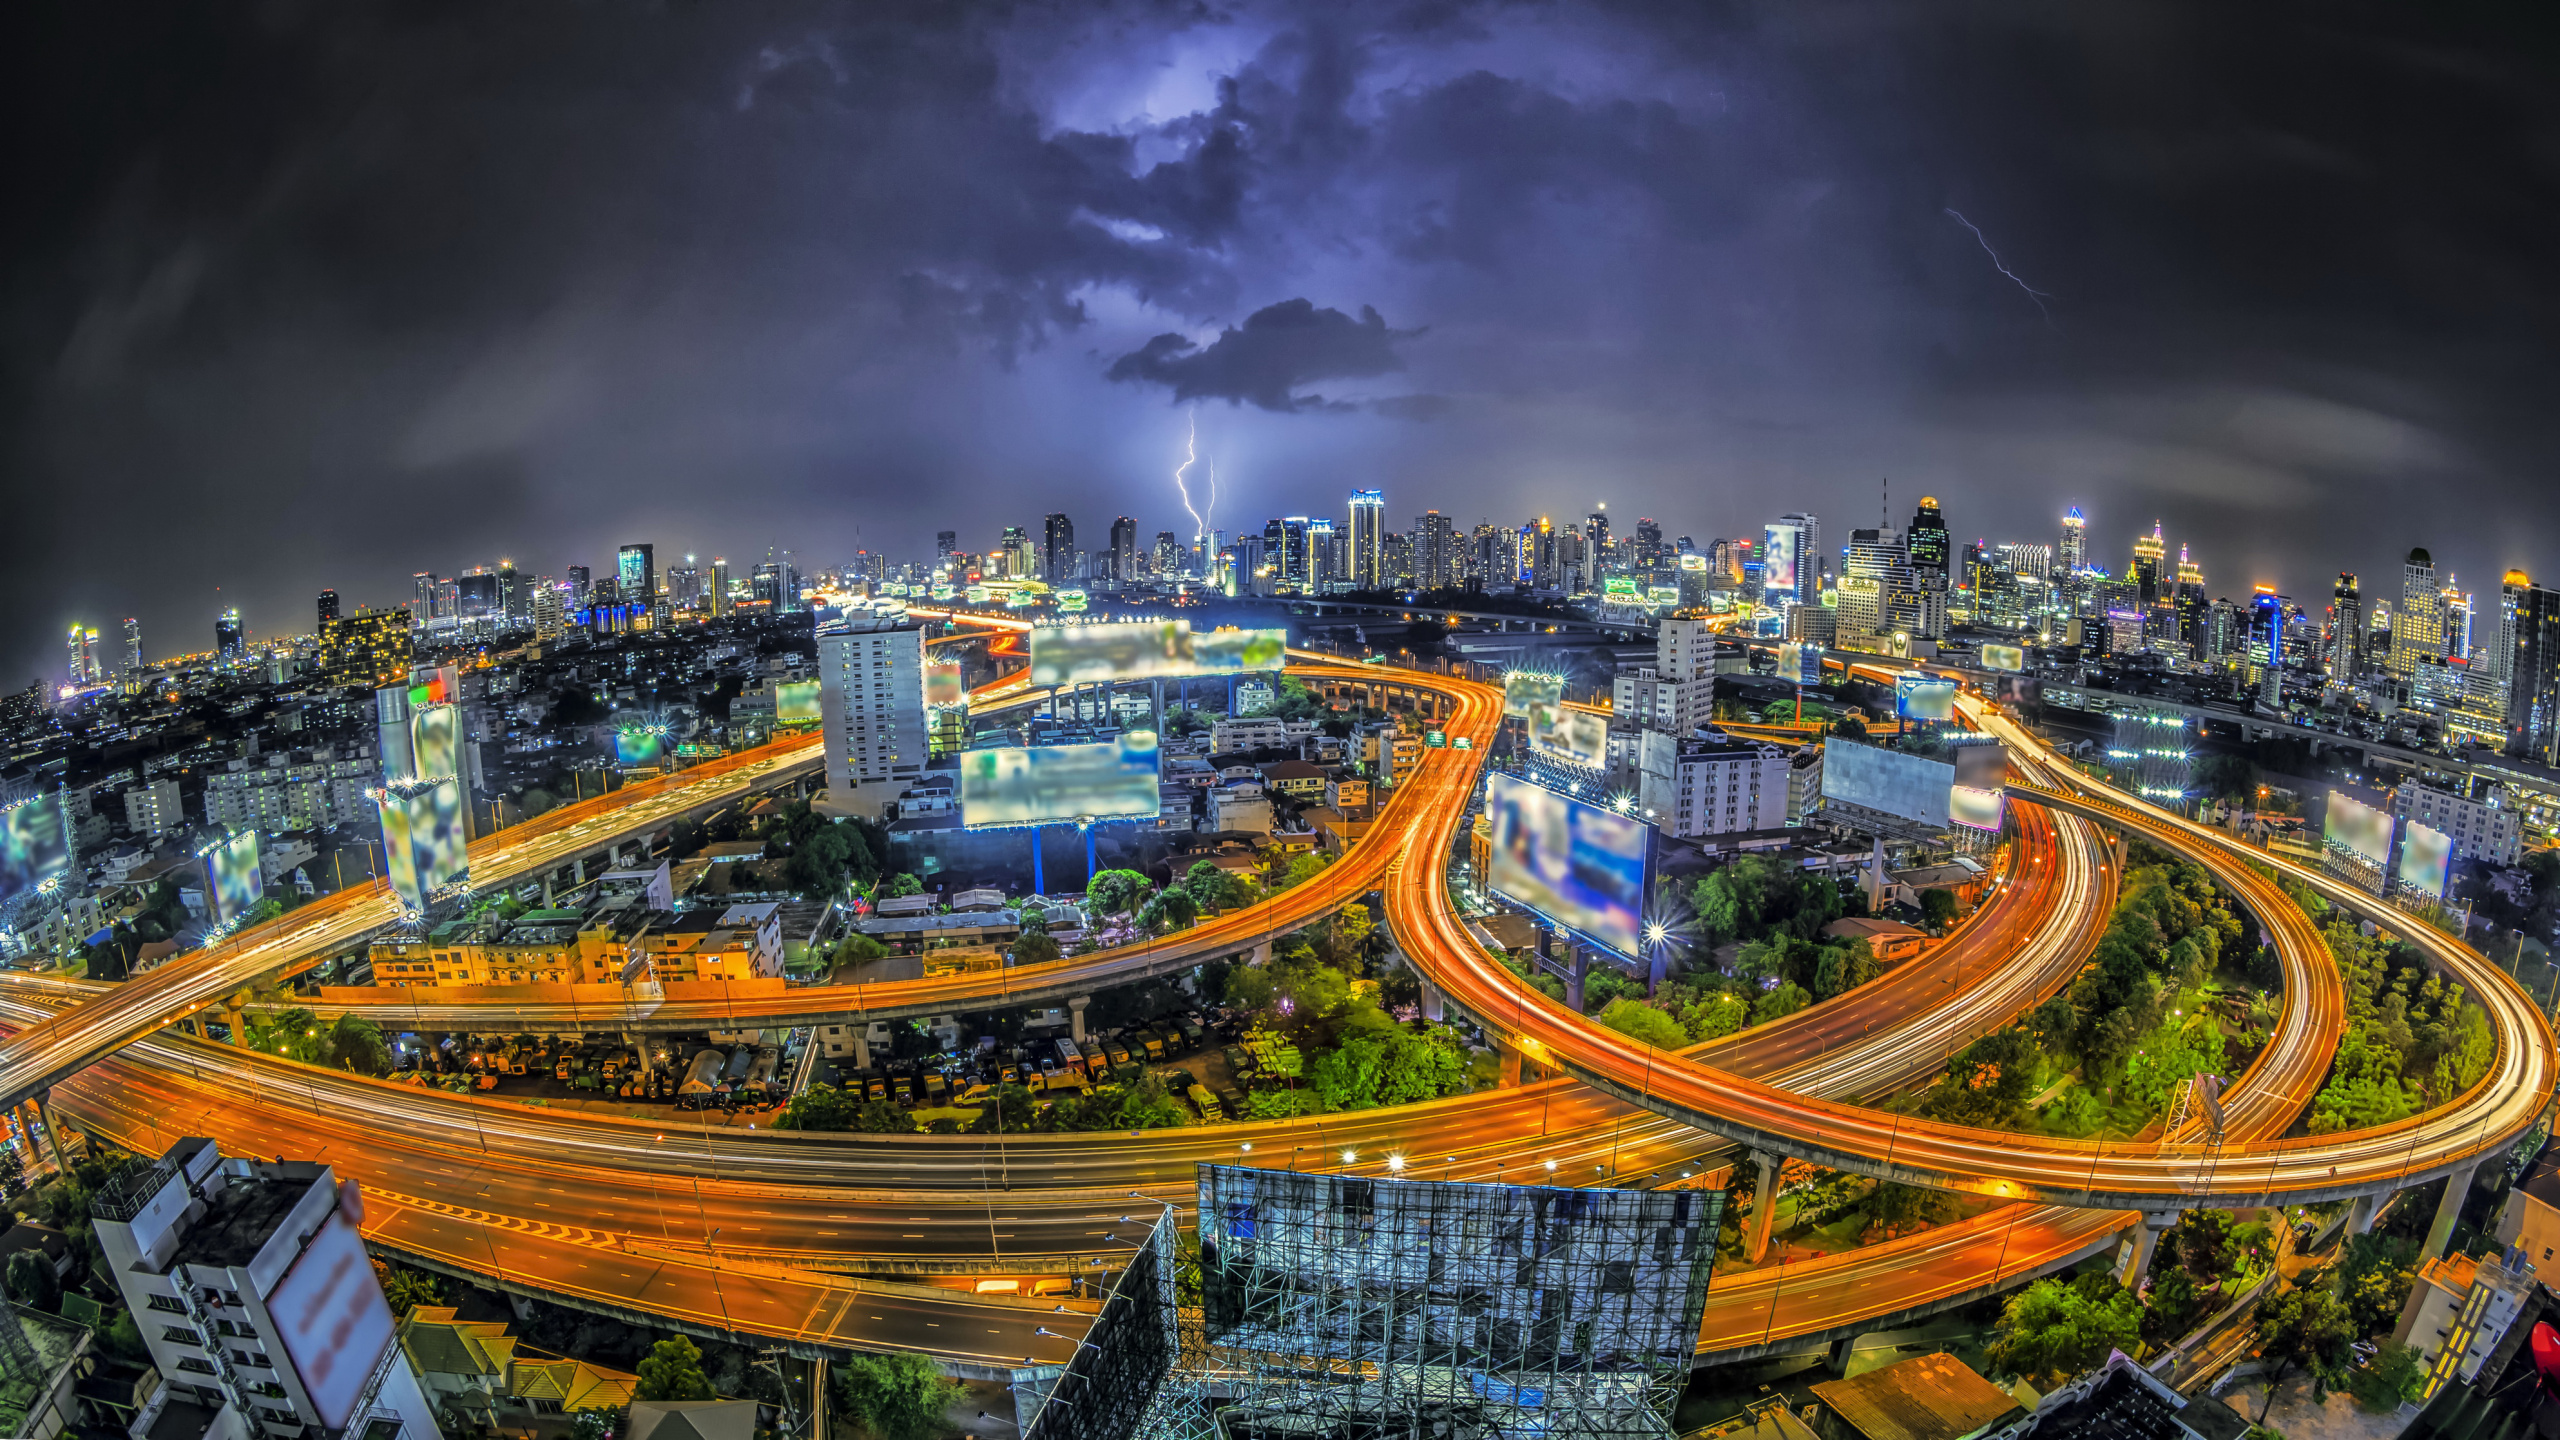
[[1875, 878], [861, 1046], [52, 1130], [1764, 1207], [2362, 1209], [1841, 1350], [1088, 856], [578, 869], [1434, 1004], [238, 1020], [2457, 1186], [1510, 1057], [2146, 1239], [1580, 965], [1075, 1016], [1039, 882]]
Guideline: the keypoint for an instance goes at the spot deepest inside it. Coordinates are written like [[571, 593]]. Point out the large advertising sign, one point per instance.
[[943, 685], [2357, 827], [1982, 764], [796, 703], [329, 1312], [1887, 781], [640, 745], [1148, 650], [2426, 858], [1975, 808], [35, 846], [233, 881], [435, 741], [1061, 784], [396, 743], [1778, 562], [1662, 597], [1578, 865], [2003, 657], [1619, 590], [1919, 695], [1808, 664], [423, 844], [399, 851], [1577, 737], [1524, 690]]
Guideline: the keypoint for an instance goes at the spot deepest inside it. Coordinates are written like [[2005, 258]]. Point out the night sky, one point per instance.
[[306, 294]]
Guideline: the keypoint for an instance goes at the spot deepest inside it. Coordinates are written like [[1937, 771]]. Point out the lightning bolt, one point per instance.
[[2033, 293], [1191, 457]]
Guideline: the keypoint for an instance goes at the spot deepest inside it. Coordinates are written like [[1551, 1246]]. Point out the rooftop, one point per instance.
[[238, 1219], [1928, 1397]]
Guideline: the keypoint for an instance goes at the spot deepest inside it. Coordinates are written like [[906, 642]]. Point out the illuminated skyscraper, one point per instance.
[[1791, 560], [1368, 540], [427, 607], [368, 649], [1057, 549], [328, 606], [684, 586], [579, 594], [80, 666], [2346, 630], [944, 542], [1436, 561], [1168, 555], [228, 642], [2417, 631], [132, 646], [2190, 605], [871, 704], [2148, 551], [1928, 545], [1649, 557], [1124, 553], [635, 574], [2072, 556], [2532, 716], [550, 612], [719, 585], [1595, 543]]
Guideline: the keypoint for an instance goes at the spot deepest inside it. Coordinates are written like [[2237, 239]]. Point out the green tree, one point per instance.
[[2306, 1326], [592, 1424], [1640, 1021], [1787, 999], [1302, 868], [2359, 1102], [858, 949], [2055, 1329], [672, 1370], [32, 1282], [1035, 949], [899, 886], [13, 1173], [1172, 910], [821, 1107], [406, 1290], [1211, 888], [357, 1044], [1937, 909], [2392, 1378], [898, 1396], [1116, 892]]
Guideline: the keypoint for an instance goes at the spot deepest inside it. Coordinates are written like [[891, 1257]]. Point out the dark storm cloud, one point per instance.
[[305, 295], [1279, 349]]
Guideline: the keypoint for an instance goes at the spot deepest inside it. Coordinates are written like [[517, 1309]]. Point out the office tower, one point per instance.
[[2346, 631], [550, 612], [1791, 560], [684, 586], [476, 595], [2457, 621], [255, 1297], [515, 598], [368, 649], [944, 542], [133, 641], [2417, 631], [2189, 604], [2266, 641], [1436, 562], [1649, 556], [80, 667], [719, 585], [2533, 675], [1368, 540], [1124, 552], [1251, 571], [328, 606], [2072, 556], [1057, 549], [1396, 563], [1326, 566], [1684, 649], [2497, 654], [1874, 577], [2148, 551], [1595, 542], [635, 574], [1926, 546], [580, 592], [871, 703], [425, 609], [228, 642], [1168, 555], [2026, 559]]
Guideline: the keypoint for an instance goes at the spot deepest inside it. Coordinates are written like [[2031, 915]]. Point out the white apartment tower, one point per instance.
[[250, 1283], [1368, 565], [871, 702]]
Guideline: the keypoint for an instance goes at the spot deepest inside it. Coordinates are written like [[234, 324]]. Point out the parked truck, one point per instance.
[[702, 1078]]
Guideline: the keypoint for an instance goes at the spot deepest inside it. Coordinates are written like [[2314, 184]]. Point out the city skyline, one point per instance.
[[1364, 252]]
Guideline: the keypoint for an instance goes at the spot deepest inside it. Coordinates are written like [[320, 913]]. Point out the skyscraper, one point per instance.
[[132, 646], [635, 574], [579, 596], [1791, 560], [1595, 542], [1124, 552], [1435, 551], [2072, 556], [2533, 676], [719, 586], [2417, 631], [328, 606], [1057, 549], [1649, 557], [80, 666], [228, 642], [1326, 567], [871, 703], [2189, 605], [1928, 545], [1367, 561], [426, 607], [1876, 570], [1168, 555], [944, 542], [2346, 630]]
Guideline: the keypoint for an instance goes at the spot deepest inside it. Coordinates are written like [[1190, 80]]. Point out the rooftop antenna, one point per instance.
[[1888, 502]]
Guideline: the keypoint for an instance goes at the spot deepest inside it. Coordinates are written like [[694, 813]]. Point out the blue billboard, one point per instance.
[[1582, 867]]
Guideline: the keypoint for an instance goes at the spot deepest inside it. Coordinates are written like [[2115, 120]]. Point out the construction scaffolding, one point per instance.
[[1127, 1355]]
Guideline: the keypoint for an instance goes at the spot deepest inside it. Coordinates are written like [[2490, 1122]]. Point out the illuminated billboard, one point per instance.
[[1778, 560], [233, 881], [1577, 737], [1580, 866], [1919, 695], [1889, 782], [1808, 664], [1981, 764], [1663, 597], [796, 703], [1619, 590], [1148, 650], [2426, 858], [399, 854], [435, 742], [424, 847], [1061, 784], [397, 745], [330, 1315], [639, 745], [1221, 652], [1523, 689], [2003, 657], [35, 846], [943, 685], [2358, 828], [1974, 808]]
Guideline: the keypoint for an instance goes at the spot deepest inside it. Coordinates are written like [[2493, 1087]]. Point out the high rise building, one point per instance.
[[871, 703], [2346, 630], [2072, 555], [1649, 557], [1927, 545], [1436, 561], [229, 643], [2417, 631], [1124, 552], [1327, 557], [1168, 555], [2496, 657], [476, 595], [133, 640], [1057, 549], [1873, 576], [944, 542], [1684, 649], [2457, 621], [635, 574], [328, 606], [2190, 605], [580, 594], [2533, 675], [719, 585], [2266, 642], [425, 608], [1791, 560], [684, 586], [80, 668], [550, 612], [2148, 551], [515, 596], [1368, 540], [256, 1299], [1595, 543], [368, 649]]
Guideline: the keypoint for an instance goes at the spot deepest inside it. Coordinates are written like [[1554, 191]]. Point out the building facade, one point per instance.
[[871, 702]]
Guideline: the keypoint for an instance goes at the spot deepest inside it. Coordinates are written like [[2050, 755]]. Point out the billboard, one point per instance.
[[35, 845], [1619, 590], [329, 1312], [1662, 597], [2003, 657], [1981, 764], [1060, 784], [1778, 561], [1148, 650], [2426, 858], [639, 745], [1578, 865], [399, 852], [1887, 781], [397, 744], [942, 683], [435, 742], [796, 703], [424, 848], [1524, 689], [2357, 827], [1577, 737], [1808, 664], [1975, 808], [1919, 695], [233, 881]]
